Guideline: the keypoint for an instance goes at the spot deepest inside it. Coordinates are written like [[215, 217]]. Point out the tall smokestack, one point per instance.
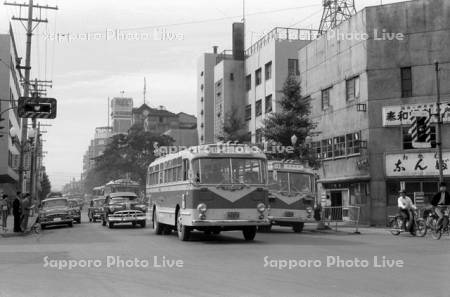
[[215, 49], [238, 41]]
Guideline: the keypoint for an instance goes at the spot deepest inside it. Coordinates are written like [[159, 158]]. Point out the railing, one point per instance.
[[225, 55], [280, 33], [341, 214]]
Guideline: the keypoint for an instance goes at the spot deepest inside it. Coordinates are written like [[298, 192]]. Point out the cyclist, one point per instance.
[[441, 198], [406, 207]]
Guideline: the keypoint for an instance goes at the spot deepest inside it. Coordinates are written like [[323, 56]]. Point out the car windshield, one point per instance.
[[55, 203], [229, 170], [293, 182], [98, 203], [123, 199], [73, 203]]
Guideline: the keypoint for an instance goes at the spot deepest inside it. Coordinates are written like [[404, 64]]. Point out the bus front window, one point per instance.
[[300, 182], [281, 183]]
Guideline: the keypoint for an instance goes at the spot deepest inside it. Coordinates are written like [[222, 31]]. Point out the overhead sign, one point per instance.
[[37, 108], [416, 164], [402, 114]]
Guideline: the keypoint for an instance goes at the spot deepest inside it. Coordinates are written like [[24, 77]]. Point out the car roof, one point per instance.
[[122, 194], [98, 199], [56, 198]]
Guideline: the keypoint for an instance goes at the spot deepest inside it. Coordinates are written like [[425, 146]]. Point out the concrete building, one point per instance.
[[121, 114], [96, 148], [365, 79], [247, 82], [10, 89]]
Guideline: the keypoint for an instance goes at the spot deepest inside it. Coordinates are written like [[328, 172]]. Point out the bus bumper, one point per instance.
[[218, 223]]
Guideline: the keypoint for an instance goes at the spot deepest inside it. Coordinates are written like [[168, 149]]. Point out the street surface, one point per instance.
[[223, 265]]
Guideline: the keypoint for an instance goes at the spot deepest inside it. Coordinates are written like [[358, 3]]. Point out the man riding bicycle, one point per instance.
[[441, 198], [406, 207]]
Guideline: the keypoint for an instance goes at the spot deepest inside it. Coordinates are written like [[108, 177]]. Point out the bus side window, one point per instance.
[[185, 169]]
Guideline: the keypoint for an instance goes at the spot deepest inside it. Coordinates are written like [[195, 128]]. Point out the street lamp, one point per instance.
[[31, 133], [294, 139]]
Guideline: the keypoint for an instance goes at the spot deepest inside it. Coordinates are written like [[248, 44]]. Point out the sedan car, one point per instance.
[[96, 209], [55, 211], [75, 210], [124, 207]]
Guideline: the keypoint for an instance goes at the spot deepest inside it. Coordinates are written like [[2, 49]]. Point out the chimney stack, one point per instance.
[[238, 41], [215, 49]]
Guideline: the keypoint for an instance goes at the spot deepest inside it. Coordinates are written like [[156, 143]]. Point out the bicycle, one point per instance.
[[443, 228]]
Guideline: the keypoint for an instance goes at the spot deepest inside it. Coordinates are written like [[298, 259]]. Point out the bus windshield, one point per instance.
[[229, 170], [292, 182]]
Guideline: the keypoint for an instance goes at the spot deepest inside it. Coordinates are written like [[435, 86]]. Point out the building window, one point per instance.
[[268, 103], [201, 87], [258, 136], [406, 77], [268, 71], [201, 99], [352, 88], [326, 98], [339, 146], [353, 143], [258, 77], [248, 82], [248, 112], [258, 107], [231, 76], [293, 67], [316, 150], [327, 148], [201, 73], [407, 138]]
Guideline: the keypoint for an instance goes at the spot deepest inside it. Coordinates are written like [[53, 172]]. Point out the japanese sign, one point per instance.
[[416, 164], [401, 115]]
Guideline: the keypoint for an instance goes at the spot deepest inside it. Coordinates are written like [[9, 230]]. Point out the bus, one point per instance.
[[121, 185], [209, 188], [292, 194], [98, 192]]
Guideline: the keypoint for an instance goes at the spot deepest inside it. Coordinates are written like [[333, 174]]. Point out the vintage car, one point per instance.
[[55, 211], [96, 209], [123, 207], [75, 210]]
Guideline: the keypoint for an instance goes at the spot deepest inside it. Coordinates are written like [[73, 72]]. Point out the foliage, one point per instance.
[[292, 119], [46, 186], [234, 128]]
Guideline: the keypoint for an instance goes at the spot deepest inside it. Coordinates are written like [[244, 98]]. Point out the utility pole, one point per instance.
[[439, 123], [27, 68]]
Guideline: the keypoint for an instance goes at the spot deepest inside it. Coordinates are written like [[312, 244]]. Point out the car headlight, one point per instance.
[[261, 207], [202, 208], [309, 210]]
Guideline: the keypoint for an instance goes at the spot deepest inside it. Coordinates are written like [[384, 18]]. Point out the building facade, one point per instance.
[[121, 114], [205, 97], [96, 147], [365, 93], [10, 91]]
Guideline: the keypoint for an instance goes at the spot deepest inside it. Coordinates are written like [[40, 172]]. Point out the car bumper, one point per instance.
[[54, 223], [200, 223], [127, 219]]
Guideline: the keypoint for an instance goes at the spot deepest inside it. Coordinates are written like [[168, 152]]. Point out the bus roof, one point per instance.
[[214, 150], [127, 182]]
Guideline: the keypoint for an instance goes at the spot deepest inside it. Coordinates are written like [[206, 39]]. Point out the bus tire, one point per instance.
[[298, 228], [110, 225], [143, 224], [157, 226], [183, 231], [249, 233]]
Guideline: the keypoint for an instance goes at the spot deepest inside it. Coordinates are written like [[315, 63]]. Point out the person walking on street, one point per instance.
[[4, 211], [17, 211], [26, 205]]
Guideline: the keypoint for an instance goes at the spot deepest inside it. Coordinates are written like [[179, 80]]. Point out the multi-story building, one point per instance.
[[365, 78], [121, 114], [10, 91], [97, 147], [246, 83]]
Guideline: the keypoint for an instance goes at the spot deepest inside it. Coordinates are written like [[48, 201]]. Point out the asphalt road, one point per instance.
[[223, 265]]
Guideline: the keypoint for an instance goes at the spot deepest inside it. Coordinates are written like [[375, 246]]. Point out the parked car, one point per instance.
[[124, 207], [55, 211], [75, 210], [96, 209]]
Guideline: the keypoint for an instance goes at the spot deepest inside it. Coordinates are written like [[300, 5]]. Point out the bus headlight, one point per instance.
[[261, 207], [202, 208], [309, 210]]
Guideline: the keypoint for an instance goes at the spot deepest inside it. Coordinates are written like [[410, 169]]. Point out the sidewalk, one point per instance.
[[10, 227]]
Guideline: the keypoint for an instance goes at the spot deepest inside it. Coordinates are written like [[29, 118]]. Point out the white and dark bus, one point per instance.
[[210, 188]]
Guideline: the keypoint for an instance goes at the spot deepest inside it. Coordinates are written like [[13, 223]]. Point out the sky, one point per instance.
[[169, 37]]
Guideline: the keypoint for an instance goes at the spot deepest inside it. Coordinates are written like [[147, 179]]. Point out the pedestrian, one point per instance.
[[4, 211], [26, 205], [441, 198], [17, 211]]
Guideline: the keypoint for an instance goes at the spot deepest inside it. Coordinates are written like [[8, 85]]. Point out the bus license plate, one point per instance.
[[289, 214], [233, 215]]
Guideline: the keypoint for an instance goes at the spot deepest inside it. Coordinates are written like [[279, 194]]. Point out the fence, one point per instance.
[[347, 215]]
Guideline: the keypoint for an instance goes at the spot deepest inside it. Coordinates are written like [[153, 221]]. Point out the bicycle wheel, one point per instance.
[[436, 231], [396, 225]]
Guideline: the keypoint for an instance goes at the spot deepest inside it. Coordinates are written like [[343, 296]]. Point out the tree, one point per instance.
[[126, 155], [292, 119], [46, 186], [234, 128]]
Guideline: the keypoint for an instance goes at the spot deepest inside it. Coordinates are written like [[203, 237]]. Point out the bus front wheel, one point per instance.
[[157, 226], [298, 228], [249, 233], [183, 231]]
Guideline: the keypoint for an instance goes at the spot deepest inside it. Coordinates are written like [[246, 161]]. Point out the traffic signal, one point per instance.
[[43, 108]]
